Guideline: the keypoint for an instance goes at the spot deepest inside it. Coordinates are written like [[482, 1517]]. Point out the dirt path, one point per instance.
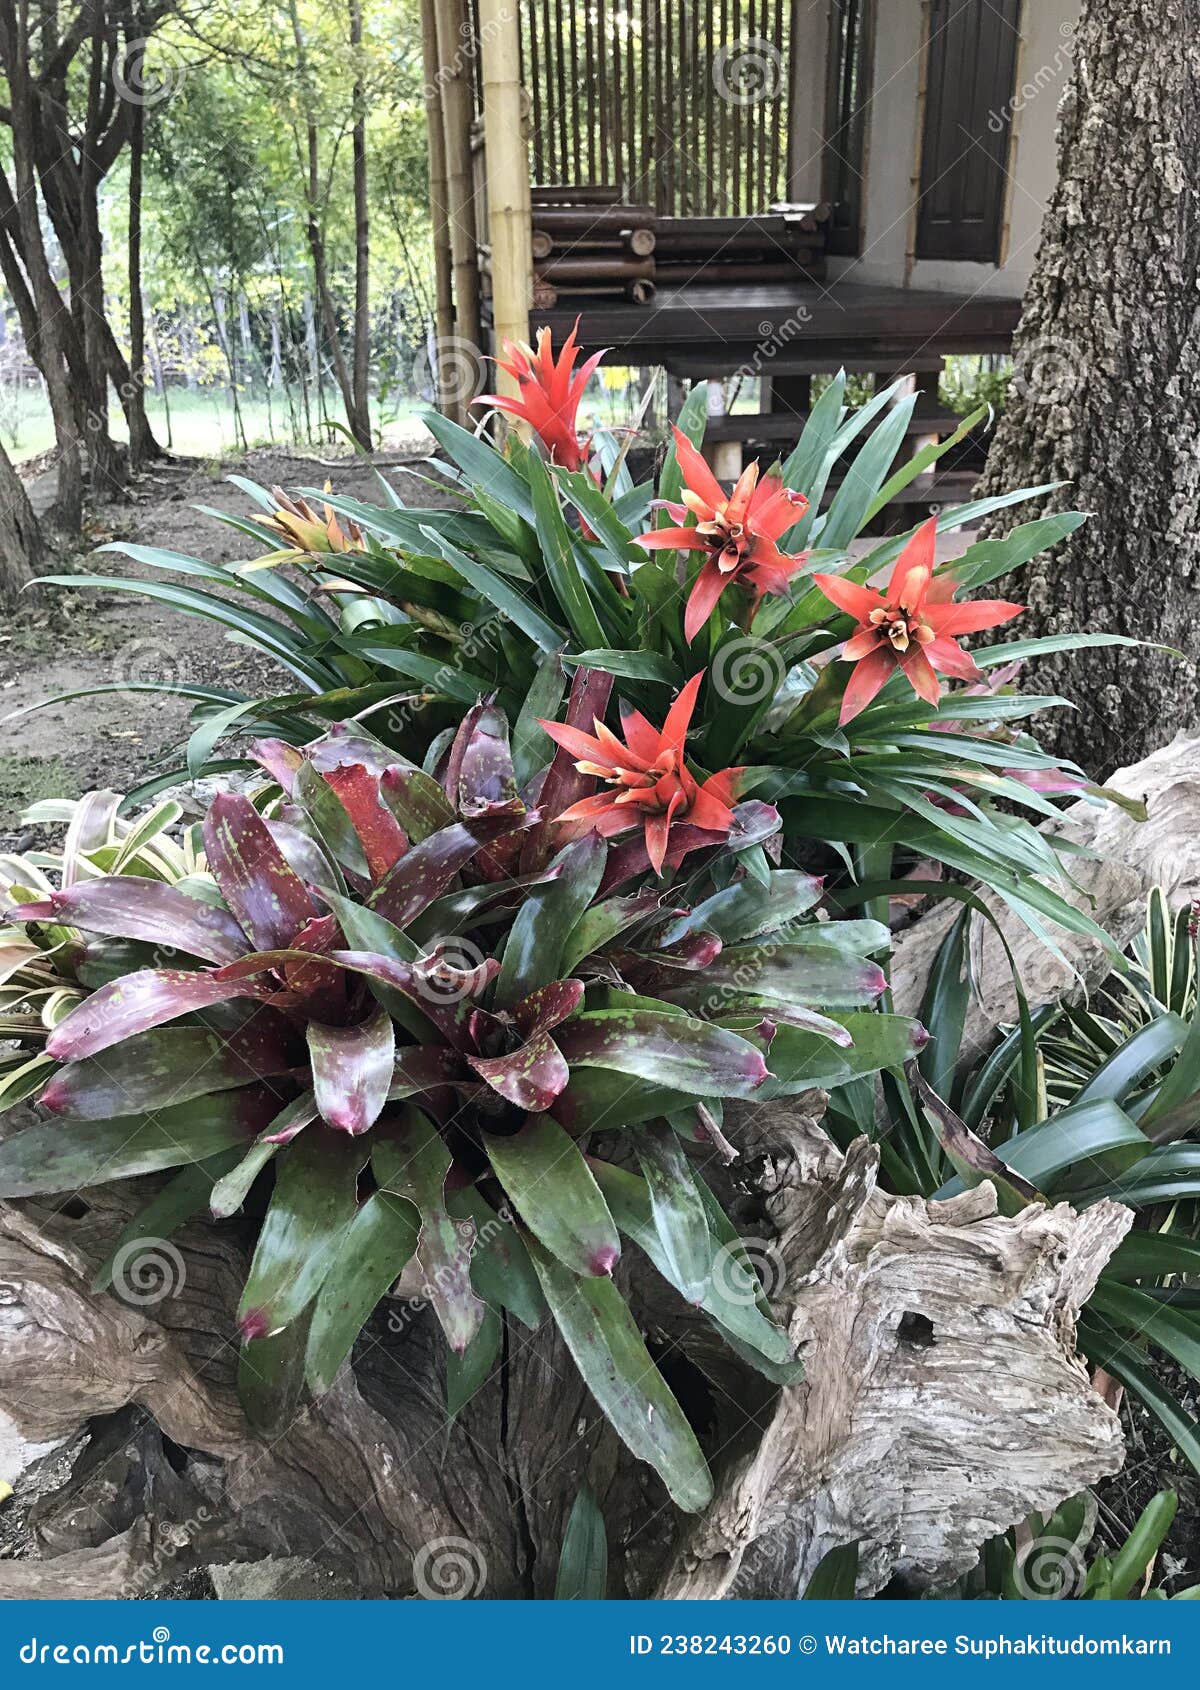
[[89, 637]]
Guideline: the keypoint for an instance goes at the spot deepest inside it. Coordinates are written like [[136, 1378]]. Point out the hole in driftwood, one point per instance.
[[74, 1208], [915, 1329]]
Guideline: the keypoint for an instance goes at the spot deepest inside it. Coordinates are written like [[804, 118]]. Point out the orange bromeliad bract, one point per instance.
[[653, 782], [912, 627], [551, 389], [738, 533]]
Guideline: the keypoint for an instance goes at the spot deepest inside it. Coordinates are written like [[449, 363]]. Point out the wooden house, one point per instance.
[[773, 187]]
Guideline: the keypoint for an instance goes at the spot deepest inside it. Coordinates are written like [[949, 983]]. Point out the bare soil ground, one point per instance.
[[66, 640]]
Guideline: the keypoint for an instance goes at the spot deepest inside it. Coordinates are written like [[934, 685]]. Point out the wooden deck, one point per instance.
[[787, 328]]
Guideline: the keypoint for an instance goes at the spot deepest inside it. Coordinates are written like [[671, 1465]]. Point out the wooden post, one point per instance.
[[443, 285], [507, 158], [453, 50]]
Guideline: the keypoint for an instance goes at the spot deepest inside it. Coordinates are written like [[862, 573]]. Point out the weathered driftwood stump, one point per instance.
[[943, 1400]]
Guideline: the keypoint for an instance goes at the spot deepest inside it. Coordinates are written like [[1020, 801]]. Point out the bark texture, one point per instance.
[[21, 547], [1106, 389], [943, 1401]]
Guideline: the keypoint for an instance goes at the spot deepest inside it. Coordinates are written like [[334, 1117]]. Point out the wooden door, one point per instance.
[[970, 76]]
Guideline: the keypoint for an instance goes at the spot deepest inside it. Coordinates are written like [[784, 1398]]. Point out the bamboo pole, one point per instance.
[[453, 40], [509, 219], [443, 283]]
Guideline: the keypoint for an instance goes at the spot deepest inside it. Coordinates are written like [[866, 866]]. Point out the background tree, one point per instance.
[[1106, 389]]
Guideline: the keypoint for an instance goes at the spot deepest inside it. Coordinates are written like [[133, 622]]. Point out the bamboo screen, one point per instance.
[[597, 75]]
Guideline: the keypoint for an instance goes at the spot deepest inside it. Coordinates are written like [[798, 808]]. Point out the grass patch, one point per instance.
[[28, 780]]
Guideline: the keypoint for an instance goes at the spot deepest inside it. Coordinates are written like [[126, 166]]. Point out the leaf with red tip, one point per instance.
[[136, 1002], [410, 1160], [754, 824], [257, 882], [170, 1065], [63, 1155], [352, 1070], [383, 840], [129, 907], [672, 1050], [556, 1195], [314, 1202]]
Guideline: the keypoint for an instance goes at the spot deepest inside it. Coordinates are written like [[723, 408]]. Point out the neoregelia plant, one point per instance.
[[434, 1017]]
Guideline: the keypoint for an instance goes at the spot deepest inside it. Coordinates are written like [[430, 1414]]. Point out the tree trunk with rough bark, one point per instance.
[[1106, 389], [21, 548]]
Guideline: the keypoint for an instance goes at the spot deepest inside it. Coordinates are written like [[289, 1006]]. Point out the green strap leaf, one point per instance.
[[374, 1250], [604, 1341], [313, 1204], [556, 1195], [583, 1562]]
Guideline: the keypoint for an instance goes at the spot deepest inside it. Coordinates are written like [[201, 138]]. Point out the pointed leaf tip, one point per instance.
[[604, 1261], [253, 1324]]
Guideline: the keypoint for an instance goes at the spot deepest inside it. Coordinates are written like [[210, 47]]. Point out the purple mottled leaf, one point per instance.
[[669, 1050], [257, 882], [531, 1077], [796, 974], [169, 1065], [414, 797], [548, 1007], [423, 1068], [129, 907], [556, 1194], [428, 868], [479, 776], [279, 759], [352, 1070], [302, 851], [292, 1120], [563, 784], [139, 1001], [410, 1160], [448, 1014], [383, 840]]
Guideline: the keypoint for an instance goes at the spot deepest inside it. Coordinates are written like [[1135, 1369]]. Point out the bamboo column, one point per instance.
[[453, 52], [506, 153], [443, 284]]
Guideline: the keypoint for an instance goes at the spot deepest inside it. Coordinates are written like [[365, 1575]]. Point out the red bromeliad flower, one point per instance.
[[912, 627], [653, 782], [738, 533], [550, 393]]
